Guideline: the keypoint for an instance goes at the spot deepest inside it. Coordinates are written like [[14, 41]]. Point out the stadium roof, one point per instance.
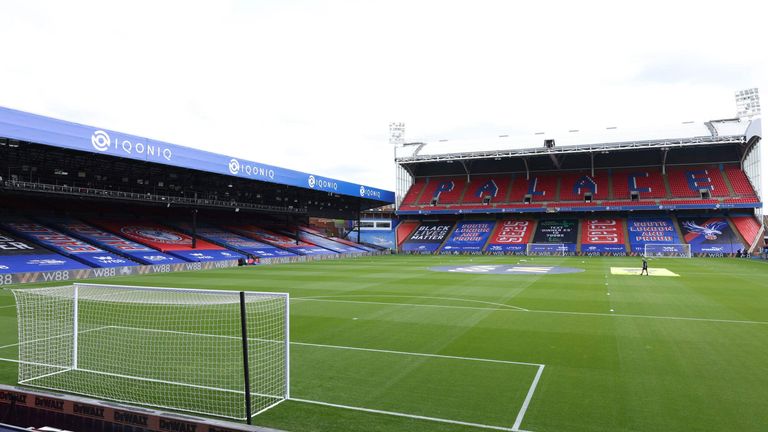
[[33, 128], [715, 132]]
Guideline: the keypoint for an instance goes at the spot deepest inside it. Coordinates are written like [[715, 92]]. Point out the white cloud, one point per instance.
[[312, 86]]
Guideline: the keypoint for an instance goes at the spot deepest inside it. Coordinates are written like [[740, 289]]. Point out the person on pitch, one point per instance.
[[645, 267]]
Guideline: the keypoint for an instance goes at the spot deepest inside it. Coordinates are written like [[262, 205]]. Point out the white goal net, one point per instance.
[[220, 353], [546, 249], [667, 250]]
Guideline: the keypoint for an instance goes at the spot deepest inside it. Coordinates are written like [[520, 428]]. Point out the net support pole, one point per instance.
[[75, 329], [246, 371], [287, 346]]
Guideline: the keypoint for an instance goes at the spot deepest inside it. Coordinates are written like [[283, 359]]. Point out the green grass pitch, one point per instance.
[[586, 351]]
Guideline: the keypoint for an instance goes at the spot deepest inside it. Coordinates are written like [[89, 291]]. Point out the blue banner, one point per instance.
[[469, 236], [656, 230], [197, 255], [506, 248], [710, 236], [44, 130], [117, 244], [551, 248], [18, 256], [238, 242], [603, 248], [67, 245]]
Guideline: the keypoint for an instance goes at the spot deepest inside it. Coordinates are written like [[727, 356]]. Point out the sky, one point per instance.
[[313, 85]]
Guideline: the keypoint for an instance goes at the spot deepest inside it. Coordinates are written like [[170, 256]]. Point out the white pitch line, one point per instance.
[[399, 414], [714, 320], [421, 297], [54, 337], [7, 306], [479, 359], [528, 398], [512, 308]]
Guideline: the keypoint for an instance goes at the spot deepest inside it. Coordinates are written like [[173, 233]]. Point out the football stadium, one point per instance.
[[150, 286]]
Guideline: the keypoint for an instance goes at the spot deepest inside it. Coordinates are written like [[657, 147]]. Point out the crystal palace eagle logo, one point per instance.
[[155, 235], [710, 230]]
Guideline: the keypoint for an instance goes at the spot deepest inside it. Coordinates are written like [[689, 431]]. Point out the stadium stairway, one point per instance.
[[728, 183], [627, 245], [679, 230], [445, 240], [578, 235]]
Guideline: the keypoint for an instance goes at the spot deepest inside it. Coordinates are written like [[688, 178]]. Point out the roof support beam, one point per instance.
[[664, 152], [555, 160], [466, 169], [527, 170]]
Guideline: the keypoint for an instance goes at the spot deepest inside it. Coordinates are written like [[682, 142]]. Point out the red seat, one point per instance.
[[739, 181], [648, 180], [747, 226], [479, 187], [414, 191], [573, 186]]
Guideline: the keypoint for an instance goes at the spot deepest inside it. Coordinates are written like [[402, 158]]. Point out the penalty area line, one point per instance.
[[499, 306], [405, 415], [597, 314]]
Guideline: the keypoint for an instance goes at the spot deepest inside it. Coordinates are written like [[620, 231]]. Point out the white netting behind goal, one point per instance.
[[546, 249], [180, 349], [667, 250]]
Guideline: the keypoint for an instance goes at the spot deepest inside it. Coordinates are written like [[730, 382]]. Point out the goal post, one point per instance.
[[667, 250], [209, 352], [546, 249]]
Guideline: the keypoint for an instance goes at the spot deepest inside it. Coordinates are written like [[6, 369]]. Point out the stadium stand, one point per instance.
[[313, 237], [690, 181], [607, 188], [140, 253], [294, 245], [234, 241], [495, 189], [76, 249], [338, 244], [442, 190], [167, 240], [18, 255], [540, 187], [414, 192], [574, 186], [739, 181], [647, 182]]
